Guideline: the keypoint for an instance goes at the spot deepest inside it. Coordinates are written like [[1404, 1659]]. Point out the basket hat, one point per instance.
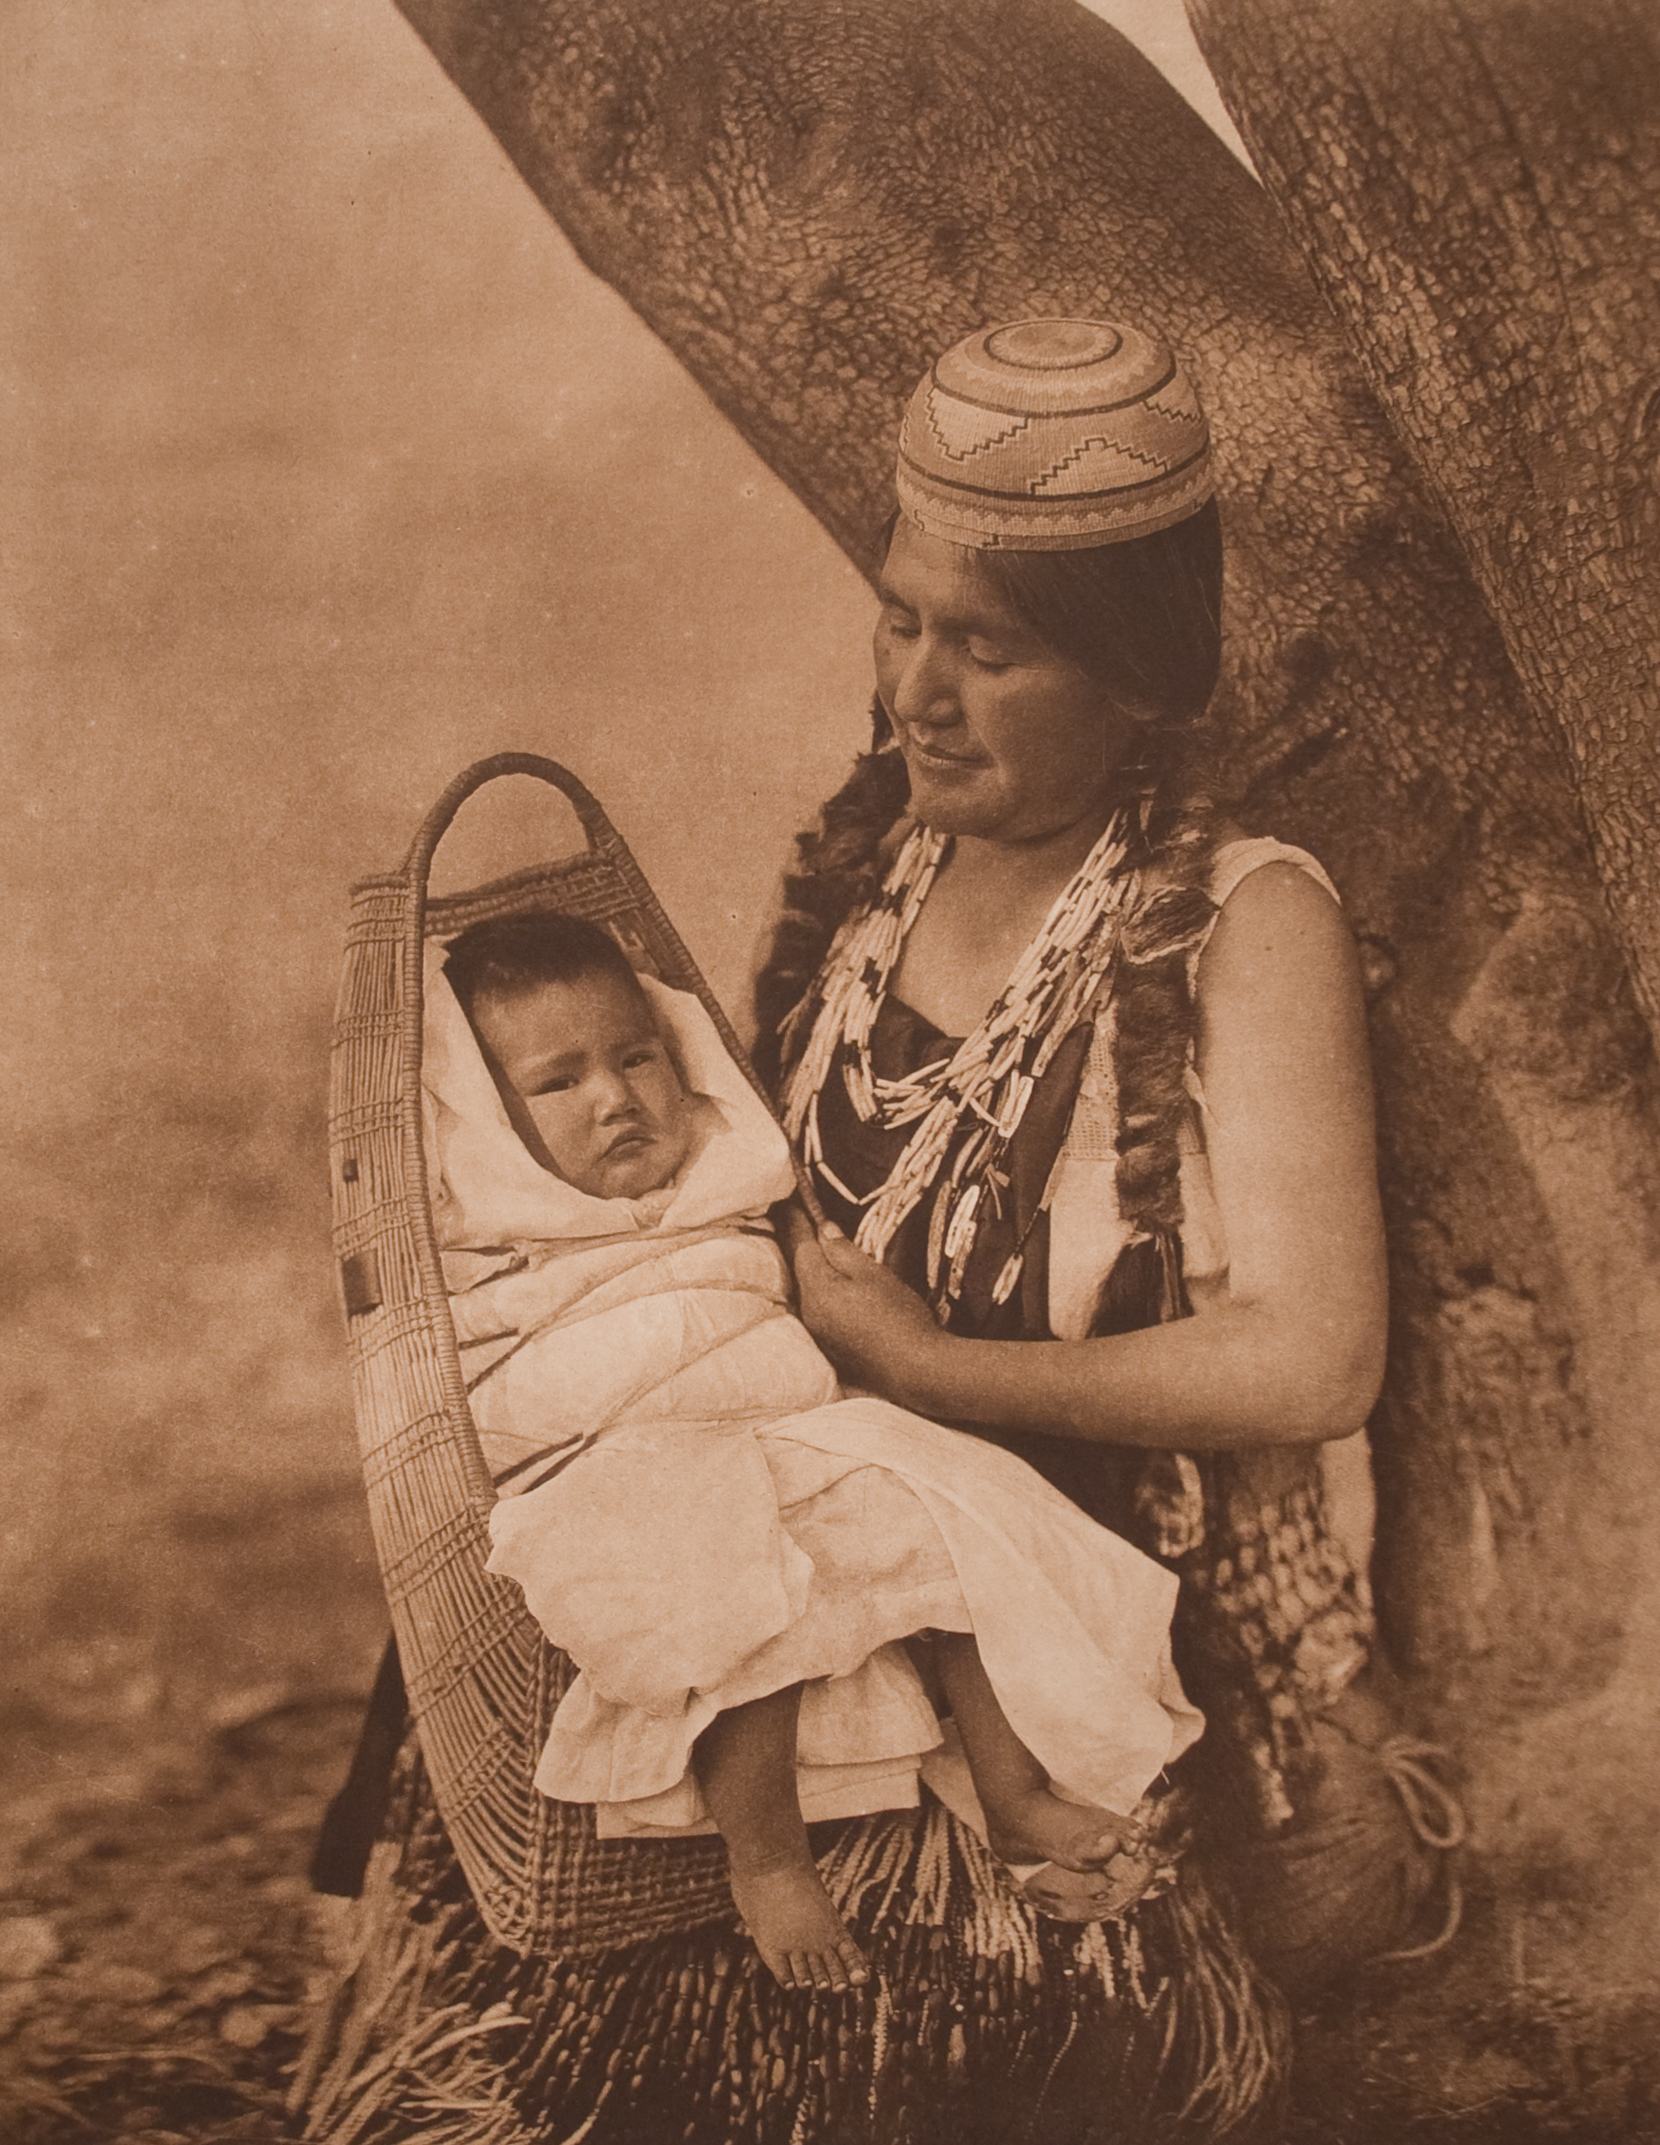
[[1052, 435]]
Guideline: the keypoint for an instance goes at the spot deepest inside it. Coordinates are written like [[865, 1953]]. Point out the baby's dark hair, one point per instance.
[[506, 955]]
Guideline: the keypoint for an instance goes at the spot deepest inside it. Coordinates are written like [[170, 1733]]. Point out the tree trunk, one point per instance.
[[1477, 191], [807, 201]]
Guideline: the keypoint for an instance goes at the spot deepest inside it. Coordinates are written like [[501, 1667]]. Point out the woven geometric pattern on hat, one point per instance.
[[1087, 416]]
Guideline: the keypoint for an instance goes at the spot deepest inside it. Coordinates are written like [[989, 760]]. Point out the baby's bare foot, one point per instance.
[[795, 1928], [1040, 1827], [1075, 1863]]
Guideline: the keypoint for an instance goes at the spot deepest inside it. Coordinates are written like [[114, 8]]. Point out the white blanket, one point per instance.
[[698, 1517]]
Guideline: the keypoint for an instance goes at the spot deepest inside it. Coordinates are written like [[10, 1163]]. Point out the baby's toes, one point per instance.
[[1083, 1856], [1104, 1849], [850, 1967]]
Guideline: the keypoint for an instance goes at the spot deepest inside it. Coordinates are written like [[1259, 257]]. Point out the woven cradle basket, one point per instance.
[[482, 1679]]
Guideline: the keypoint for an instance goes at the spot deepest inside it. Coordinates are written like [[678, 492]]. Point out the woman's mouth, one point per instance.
[[937, 756]]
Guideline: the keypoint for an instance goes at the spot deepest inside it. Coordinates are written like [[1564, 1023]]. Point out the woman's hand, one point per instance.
[[878, 1333]]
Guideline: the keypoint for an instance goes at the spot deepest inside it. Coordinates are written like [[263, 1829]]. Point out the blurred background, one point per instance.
[[328, 469]]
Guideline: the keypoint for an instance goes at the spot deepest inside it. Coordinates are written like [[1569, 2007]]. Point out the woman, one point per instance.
[[1159, 1103], [1182, 1101]]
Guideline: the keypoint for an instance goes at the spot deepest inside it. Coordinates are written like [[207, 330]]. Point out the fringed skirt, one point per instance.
[[983, 2023]]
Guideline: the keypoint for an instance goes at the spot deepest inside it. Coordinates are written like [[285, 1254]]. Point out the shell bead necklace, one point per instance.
[[967, 1108]]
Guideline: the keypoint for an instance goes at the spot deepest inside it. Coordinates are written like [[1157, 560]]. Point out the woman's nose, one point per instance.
[[924, 693]]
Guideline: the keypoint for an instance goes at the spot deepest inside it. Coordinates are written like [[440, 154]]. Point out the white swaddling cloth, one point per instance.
[[698, 1518]]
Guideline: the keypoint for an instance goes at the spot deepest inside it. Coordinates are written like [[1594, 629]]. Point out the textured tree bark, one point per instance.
[[806, 201], [1477, 191]]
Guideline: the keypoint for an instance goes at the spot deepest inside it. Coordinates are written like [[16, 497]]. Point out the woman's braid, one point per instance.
[[838, 869]]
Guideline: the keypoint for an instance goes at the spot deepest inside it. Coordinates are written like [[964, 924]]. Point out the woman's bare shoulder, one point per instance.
[[1267, 892], [1280, 957]]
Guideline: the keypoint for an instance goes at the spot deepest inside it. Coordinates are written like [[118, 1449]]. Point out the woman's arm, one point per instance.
[[1296, 1353]]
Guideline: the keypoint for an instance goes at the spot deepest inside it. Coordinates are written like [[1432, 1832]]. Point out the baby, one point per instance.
[[732, 1552]]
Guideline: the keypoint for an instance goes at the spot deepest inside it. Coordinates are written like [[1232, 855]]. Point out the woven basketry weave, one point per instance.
[[482, 1679]]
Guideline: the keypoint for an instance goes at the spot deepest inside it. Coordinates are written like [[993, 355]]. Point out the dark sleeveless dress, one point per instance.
[[862, 1154]]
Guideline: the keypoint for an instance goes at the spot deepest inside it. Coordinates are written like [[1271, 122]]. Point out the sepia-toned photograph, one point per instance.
[[831, 1236]]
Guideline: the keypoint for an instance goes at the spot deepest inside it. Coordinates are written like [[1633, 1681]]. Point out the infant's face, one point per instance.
[[596, 1080]]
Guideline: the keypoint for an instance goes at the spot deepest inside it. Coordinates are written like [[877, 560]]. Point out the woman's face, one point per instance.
[[1004, 738]]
